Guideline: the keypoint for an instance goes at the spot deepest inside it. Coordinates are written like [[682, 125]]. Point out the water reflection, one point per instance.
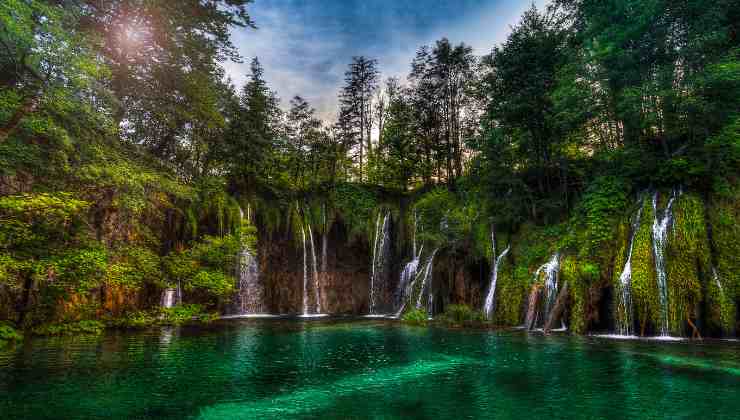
[[364, 369]]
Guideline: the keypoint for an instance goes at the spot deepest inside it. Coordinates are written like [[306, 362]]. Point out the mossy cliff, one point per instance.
[[90, 275]]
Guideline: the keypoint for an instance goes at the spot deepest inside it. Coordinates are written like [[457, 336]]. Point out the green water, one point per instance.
[[334, 369]]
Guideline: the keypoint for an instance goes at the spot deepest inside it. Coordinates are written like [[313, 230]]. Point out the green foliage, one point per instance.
[[78, 269], [453, 220], [8, 335], [416, 317], [134, 266], [355, 205], [183, 314], [602, 204], [460, 315], [177, 315], [31, 221], [90, 327], [207, 266]]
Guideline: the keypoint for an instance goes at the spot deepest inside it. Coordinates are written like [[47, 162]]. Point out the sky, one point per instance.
[[305, 46]]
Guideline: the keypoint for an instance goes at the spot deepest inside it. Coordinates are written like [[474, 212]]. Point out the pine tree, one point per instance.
[[356, 100]]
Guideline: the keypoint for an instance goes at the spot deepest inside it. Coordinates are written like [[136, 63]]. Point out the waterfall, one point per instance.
[[426, 285], [249, 299], [324, 243], [660, 240], [381, 247], [551, 281], [550, 270], [250, 294], [405, 283], [490, 297], [314, 272], [305, 273], [624, 308], [408, 274], [171, 297], [715, 277]]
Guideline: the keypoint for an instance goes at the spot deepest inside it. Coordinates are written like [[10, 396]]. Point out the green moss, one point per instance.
[[724, 217], [687, 261], [645, 296], [532, 246], [579, 280], [621, 246]]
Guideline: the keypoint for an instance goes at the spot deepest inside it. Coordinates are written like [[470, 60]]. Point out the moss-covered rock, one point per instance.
[[645, 296], [688, 262]]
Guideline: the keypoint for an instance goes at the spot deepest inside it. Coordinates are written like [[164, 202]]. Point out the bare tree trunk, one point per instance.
[[558, 309], [534, 297]]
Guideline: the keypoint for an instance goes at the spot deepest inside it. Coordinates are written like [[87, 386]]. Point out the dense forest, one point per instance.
[[131, 164]]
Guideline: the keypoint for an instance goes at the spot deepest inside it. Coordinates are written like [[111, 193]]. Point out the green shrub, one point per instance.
[[9, 335], [461, 315], [416, 317], [208, 266], [91, 327], [183, 314]]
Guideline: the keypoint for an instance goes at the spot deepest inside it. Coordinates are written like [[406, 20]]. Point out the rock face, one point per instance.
[[343, 278]]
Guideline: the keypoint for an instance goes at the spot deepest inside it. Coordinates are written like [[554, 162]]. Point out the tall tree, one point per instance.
[[356, 99], [164, 61], [253, 133], [522, 75]]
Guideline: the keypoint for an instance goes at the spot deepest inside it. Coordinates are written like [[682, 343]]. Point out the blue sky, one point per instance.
[[306, 45]]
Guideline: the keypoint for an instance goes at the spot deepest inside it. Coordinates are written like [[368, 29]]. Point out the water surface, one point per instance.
[[337, 369]]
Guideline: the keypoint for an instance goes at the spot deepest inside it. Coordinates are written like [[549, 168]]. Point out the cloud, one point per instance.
[[305, 46]]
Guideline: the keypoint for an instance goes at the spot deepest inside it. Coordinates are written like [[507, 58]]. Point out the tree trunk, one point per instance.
[[534, 297], [557, 310]]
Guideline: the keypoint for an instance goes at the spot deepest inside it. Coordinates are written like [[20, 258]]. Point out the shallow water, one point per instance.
[[336, 369]]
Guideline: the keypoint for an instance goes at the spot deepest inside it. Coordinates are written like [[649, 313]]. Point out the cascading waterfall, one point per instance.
[[171, 296], [381, 247], [408, 274], [661, 224], [551, 282], [324, 244], [490, 297], [406, 282], [426, 285], [550, 270], [314, 272], [624, 309], [305, 273], [250, 293], [715, 277]]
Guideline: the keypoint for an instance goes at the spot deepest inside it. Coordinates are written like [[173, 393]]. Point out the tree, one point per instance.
[[355, 114], [253, 133], [46, 68], [441, 78], [522, 76], [304, 137], [164, 62]]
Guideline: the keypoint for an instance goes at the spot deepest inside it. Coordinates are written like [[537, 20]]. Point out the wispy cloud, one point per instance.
[[305, 45]]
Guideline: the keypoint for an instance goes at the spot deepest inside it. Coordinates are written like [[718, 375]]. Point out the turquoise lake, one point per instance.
[[360, 369]]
